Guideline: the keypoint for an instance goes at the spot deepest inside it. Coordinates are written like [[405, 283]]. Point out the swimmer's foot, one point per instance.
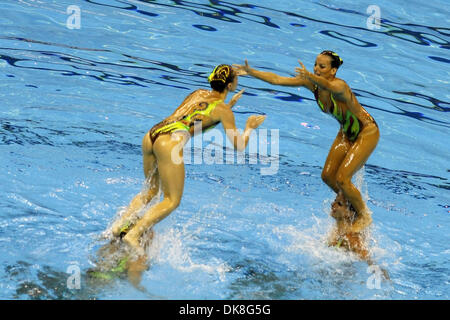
[[361, 222], [133, 243]]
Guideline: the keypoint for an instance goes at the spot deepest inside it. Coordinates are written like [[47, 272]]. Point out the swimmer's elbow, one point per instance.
[[272, 80], [240, 143], [279, 81], [240, 146], [290, 81]]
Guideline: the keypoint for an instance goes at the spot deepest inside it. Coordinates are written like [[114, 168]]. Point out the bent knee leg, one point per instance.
[[327, 177], [172, 203], [342, 181], [175, 203]]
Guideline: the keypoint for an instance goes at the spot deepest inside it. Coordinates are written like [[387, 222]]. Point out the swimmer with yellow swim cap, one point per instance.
[[162, 150]]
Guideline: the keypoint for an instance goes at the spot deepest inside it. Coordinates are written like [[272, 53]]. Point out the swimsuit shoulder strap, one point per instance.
[[316, 95], [211, 107], [337, 112]]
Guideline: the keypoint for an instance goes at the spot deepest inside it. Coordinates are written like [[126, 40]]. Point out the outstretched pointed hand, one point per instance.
[[242, 70], [302, 72]]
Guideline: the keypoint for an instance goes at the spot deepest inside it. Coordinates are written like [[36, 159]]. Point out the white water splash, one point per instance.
[[313, 241], [170, 247]]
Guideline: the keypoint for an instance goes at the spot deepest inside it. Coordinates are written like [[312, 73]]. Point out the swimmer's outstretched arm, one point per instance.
[[271, 77]]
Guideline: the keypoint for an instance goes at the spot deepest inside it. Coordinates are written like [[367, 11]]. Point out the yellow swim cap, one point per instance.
[[220, 73]]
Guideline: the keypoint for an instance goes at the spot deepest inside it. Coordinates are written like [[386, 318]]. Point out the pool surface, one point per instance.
[[78, 92]]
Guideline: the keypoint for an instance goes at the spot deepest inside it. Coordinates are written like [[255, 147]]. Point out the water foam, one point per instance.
[[313, 240], [172, 247]]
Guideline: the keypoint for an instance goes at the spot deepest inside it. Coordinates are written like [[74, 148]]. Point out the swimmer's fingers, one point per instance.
[[242, 70], [303, 66], [302, 72], [235, 98], [255, 121], [260, 120]]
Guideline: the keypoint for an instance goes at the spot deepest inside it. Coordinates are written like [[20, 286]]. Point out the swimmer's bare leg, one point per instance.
[[336, 155], [171, 175], [129, 217], [141, 199], [354, 160]]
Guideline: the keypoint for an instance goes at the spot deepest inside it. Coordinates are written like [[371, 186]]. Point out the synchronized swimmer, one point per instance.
[[162, 149], [355, 141]]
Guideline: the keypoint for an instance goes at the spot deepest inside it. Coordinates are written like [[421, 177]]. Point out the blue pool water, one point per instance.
[[75, 104]]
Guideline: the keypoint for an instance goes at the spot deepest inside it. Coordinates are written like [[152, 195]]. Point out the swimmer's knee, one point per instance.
[[342, 181], [327, 178], [176, 203], [173, 203], [324, 177]]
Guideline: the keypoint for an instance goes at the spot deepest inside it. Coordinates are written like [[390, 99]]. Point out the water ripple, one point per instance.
[[77, 102]]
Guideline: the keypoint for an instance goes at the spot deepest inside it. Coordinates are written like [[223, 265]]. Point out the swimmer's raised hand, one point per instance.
[[235, 98], [254, 122], [242, 70], [302, 72]]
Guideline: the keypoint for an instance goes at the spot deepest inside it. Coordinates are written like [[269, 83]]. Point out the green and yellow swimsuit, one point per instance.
[[350, 124], [185, 123]]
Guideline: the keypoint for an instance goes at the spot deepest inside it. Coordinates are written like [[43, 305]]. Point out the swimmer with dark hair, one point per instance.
[[356, 140], [162, 149]]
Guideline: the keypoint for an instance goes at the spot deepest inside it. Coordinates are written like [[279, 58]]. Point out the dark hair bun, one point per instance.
[[221, 76], [336, 61]]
